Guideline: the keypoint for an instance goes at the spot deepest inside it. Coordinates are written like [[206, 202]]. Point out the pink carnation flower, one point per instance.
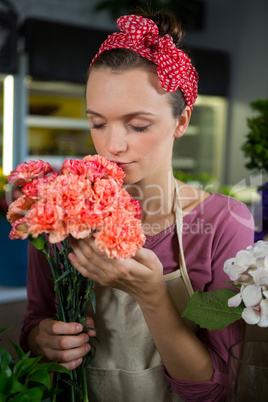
[[73, 166], [61, 202], [121, 235], [20, 229], [28, 171], [100, 167], [19, 208], [34, 187]]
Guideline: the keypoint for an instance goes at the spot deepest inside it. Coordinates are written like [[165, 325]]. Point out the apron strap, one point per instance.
[[179, 227]]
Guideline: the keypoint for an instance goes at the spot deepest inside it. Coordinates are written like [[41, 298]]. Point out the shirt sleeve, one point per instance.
[[40, 292], [233, 231]]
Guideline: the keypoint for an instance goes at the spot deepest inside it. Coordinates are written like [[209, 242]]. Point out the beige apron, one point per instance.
[[127, 365]]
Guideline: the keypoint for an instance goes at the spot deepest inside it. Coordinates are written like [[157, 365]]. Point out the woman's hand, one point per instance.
[[140, 276], [63, 342]]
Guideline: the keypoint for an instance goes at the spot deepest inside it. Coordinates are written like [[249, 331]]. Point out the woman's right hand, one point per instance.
[[63, 342]]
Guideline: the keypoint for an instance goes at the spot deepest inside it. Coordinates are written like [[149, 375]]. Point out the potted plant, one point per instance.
[[25, 379], [256, 148]]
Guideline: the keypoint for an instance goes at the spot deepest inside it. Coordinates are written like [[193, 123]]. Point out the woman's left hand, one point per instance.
[[140, 276]]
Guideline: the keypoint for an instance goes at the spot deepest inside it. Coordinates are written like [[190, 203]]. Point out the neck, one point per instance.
[[157, 199]]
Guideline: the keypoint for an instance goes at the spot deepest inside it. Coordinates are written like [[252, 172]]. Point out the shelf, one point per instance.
[[11, 294], [57, 122], [184, 163]]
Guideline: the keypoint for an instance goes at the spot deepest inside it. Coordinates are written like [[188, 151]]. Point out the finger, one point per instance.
[[72, 365], [67, 356], [90, 324], [148, 258], [54, 327]]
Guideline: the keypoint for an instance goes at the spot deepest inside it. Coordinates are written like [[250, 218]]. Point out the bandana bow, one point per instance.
[[174, 67]]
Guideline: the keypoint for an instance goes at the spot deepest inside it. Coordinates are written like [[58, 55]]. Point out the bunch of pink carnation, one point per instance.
[[86, 199]]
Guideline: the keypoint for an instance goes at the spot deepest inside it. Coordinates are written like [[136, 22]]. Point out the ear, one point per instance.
[[182, 123]]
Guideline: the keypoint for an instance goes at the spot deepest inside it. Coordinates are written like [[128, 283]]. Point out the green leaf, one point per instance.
[[5, 379], [61, 369], [16, 386], [4, 329], [19, 352], [53, 367], [93, 301], [40, 376], [38, 242], [33, 394], [5, 357], [25, 365], [210, 309]]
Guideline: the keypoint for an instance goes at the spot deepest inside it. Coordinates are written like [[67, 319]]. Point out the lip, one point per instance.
[[123, 164]]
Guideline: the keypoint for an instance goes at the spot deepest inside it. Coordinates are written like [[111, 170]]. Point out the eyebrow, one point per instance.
[[137, 113]]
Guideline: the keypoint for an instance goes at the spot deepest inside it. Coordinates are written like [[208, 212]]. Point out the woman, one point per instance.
[[140, 93]]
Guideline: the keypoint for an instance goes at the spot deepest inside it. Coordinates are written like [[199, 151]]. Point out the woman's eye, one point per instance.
[[97, 126], [140, 129]]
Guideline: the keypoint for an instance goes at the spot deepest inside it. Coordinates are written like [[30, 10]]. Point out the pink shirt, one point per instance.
[[213, 232]]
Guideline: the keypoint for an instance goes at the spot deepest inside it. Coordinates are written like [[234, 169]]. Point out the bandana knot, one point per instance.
[[174, 67]]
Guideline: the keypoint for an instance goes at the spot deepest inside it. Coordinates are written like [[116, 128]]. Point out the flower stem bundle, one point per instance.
[[86, 199]]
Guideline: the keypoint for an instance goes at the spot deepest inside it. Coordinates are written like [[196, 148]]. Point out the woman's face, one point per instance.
[[131, 122]]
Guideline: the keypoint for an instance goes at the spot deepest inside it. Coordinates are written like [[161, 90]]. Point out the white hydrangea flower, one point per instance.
[[257, 314], [250, 269]]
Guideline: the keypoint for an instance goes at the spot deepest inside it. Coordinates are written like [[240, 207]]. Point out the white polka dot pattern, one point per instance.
[[174, 67]]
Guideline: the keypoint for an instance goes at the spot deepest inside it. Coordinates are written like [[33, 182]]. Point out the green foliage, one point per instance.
[[256, 145], [210, 309], [26, 379]]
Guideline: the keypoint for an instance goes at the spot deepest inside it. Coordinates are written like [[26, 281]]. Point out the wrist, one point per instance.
[[153, 298]]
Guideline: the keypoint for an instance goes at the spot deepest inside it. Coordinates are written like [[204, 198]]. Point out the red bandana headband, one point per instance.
[[174, 67]]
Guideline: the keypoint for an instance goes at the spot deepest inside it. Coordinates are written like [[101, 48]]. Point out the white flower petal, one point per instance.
[[260, 249], [252, 295], [263, 322], [227, 265], [264, 307], [235, 271], [265, 292], [244, 258], [235, 300], [250, 316], [260, 276]]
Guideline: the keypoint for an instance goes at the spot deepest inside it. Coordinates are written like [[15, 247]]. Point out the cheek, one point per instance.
[[99, 142]]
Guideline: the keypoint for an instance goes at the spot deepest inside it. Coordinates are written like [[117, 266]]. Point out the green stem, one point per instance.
[[84, 383], [58, 293]]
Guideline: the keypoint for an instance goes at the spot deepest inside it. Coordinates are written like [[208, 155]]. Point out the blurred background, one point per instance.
[[45, 49]]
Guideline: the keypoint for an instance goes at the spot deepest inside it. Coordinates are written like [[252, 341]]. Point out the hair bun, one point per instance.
[[167, 24]]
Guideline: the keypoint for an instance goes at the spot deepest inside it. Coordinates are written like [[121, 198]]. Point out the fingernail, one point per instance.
[[79, 327], [71, 257], [88, 348]]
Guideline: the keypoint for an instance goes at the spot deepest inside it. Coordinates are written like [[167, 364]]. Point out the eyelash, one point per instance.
[[138, 129], [97, 126]]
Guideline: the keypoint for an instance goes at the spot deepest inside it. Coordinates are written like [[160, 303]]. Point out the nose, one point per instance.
[[116, 141]]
